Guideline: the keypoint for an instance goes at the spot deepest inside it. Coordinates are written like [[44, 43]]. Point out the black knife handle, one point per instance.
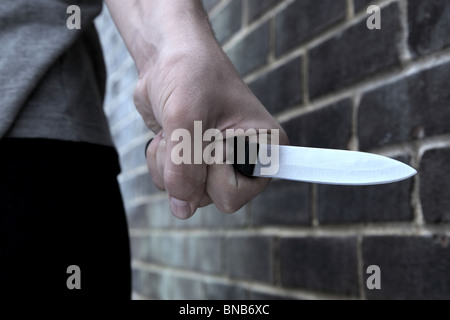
[[248, 166], [245, 168]]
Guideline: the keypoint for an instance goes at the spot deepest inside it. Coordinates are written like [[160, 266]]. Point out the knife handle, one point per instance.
[[245, 168], [248, 166]]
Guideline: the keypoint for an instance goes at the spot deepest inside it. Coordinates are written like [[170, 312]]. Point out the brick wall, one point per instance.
[[332, 83]]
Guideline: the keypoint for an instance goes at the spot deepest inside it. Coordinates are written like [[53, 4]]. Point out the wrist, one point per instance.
[[170, 28]]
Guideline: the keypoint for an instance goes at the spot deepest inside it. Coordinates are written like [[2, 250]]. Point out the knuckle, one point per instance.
[[230, 202], [160, 186], [172, 179], [180, 185], [229, 207]]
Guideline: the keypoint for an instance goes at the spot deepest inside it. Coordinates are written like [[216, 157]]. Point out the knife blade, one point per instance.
[[321, 166]]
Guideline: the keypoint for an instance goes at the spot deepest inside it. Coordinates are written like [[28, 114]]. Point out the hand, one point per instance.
[[184, 76], [199, 85]]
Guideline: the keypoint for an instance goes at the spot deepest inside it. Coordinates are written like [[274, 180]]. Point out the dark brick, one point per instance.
[[354, 54], [202, 254], [282, 203], [250, 258], [413, 107], [304, 19], [435, 185], [268, 296], [329, 127], [281, 88], [163, 250], [205, 254], [210, 4], [185, 289], [390, 202], [252, 51], [256, 8], [362, 5], [156, 214], [162, 286], [137, 217], [429, 25], [321, 264], [216, 291], [413, 268], [139, 248], [148, 284], [228, 21]]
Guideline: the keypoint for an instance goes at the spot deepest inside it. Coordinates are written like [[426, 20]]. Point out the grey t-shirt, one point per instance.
[[52, 78]]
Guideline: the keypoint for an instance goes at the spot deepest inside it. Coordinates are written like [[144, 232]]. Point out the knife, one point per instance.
[[321, 166]]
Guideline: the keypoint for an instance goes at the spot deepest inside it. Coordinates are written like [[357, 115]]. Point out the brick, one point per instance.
[[355, 54], [281, 88], [282, 203], [134, 158], [252, 51], [210, 4], [205, 254], [139, 248], [435, 185], [201, 254], [228, 21], [186, 289], [123, 107], [325, 264], [329, 127], [267, 296], [120, 54], [163, 286], [429, 26], [148, 284], [139, 186], [256, 8], [250, 258], [362, 5], [137, 217], [130, 131], [347, 204], [162, 250], [155, 214], [405, 110], [304, 19], [217, 291], [413, 268]]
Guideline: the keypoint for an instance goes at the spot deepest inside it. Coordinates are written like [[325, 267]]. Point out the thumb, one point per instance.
[[184, 174]]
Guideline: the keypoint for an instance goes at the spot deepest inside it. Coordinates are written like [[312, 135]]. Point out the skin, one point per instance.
[[184, 76]]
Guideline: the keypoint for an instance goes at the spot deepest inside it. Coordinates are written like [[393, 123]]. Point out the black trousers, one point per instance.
[[60, 206]]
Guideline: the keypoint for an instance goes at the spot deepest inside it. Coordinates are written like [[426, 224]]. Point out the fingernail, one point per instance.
[[147, 145], [180, 209]]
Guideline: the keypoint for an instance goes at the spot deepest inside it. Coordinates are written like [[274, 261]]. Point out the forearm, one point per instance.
[[150, 27]]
